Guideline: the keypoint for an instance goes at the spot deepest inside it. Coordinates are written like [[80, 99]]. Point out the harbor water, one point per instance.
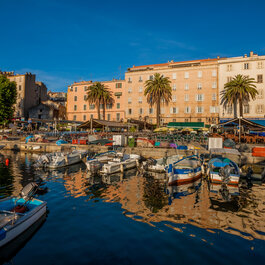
[[134, 218]]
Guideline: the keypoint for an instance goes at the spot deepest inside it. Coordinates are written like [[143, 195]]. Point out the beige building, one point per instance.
[[194, 92], [78, 108], [29, 92], [252, 66]]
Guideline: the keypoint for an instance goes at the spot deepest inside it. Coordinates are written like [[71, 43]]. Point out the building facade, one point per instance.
[[252, 66], [194, 92], [79, 109], [29, 92]]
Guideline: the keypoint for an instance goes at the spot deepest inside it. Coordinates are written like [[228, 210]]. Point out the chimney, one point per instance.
[[245, 55], [251, 54], [218, 57]]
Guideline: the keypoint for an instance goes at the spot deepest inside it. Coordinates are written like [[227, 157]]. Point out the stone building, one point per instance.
[[252, 66], [60, 97], [78, 108]]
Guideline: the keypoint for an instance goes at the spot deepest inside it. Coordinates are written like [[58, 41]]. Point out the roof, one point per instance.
[[142, 124], [245, 123], [102, 123]]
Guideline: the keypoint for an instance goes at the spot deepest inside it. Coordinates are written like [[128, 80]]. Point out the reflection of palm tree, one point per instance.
[[154, 196]]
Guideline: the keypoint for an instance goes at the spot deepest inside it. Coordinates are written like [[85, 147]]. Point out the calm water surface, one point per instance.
[[133, 219]]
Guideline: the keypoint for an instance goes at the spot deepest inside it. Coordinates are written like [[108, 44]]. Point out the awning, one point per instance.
[[102, 123], [253, 126]]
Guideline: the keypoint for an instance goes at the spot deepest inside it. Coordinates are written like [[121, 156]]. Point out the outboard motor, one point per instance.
[[225, 173], [28, 191]]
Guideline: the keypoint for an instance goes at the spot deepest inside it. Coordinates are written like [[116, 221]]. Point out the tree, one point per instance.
[[156, 90], [8, 97], [99, 95], [240, 89]]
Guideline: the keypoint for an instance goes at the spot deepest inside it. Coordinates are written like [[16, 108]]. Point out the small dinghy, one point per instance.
[[223, 170], [185, 170], [58, 160], [18, 214], [121, 164]]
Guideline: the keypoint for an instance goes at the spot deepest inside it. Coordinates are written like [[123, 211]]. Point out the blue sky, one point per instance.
[[67, 41]]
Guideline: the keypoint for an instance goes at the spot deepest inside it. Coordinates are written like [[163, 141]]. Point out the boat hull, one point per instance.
[[216, 178], [119, 167], [178, 179]]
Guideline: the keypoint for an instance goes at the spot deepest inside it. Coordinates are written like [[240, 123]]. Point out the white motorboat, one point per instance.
[[58, 160], [185, 170], [18, 214], [121, 164]]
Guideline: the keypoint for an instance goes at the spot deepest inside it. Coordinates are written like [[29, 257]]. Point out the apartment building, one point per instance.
[[79, 109], [252, 66], [29, 92], [194, 92]]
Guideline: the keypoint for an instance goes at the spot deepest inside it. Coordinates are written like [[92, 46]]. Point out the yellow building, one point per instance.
[[194, 91]]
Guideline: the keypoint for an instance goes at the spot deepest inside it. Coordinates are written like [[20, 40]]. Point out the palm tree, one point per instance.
[[240, 89], [99, 94], [156, 90]]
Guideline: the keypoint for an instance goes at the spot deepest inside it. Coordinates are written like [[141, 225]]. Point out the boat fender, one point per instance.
[[20, 209]]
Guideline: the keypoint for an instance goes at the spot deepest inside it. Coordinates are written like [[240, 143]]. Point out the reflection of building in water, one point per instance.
[[75, 183], [247, 220]]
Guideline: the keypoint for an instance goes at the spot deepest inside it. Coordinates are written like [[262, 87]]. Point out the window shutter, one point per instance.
[[171, 110]]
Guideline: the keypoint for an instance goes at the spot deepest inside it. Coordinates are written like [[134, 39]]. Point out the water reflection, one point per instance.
[[238, 210]]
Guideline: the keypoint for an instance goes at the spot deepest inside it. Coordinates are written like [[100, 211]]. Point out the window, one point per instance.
[[118, 105], [85, 88], [174, 98], [18, 95], [84, 117], [199, 109], [260, 65], [230, 109], [109, 106], [260, 108], [213, 109], [229, 68], [186, 86], [76, 89], [186, 97], [174, 110], [118, 85], [199, 97], [163, 101], [71, 88], [162, 110], [108, 117], [199, 86], [129, 80], [260, 94], [19, 87], [101, 106], [140, 78], [214, 73], [186, 120], [214, 85], [259, 78], [199, 120], [75, 107], [129, 100], [246, 66], [214, 96], [229, 78], [187, 109], [91, 116], [84, 107], [141, 111], [75, 98], [140, 100], [140, 89], [246, 109], [118, 116], [200, 74], [174, 120], [74, 117], [85, 97], [174, 76], [151, 111], [151, 77], [130, 111], [186, 75], [174, 87], [92, 106], [129, 90]]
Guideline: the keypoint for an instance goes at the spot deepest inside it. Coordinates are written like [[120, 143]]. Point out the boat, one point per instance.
[[128, 161], [17, 214], [58, 160], [185, 170], [159, 165], [223, 170]]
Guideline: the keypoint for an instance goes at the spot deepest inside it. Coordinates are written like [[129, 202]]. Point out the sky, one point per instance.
[[66, 41]]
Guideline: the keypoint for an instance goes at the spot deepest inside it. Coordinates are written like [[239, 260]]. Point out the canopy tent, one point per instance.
[[183, 125], [95, 123], [250, 125]]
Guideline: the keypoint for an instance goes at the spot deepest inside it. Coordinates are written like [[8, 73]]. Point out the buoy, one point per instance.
[[7, 162]]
